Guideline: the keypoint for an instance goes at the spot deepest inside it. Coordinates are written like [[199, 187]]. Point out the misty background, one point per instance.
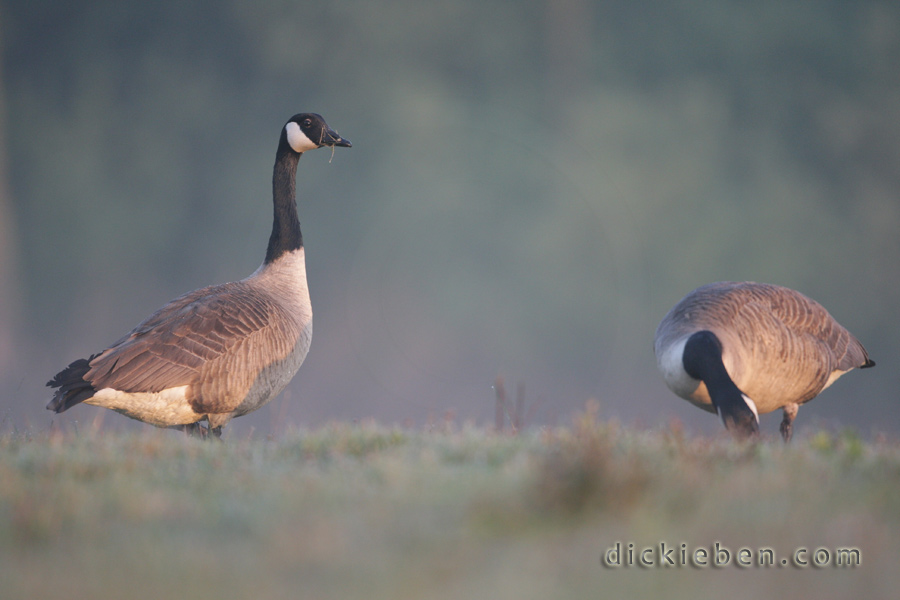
[[532, 185]]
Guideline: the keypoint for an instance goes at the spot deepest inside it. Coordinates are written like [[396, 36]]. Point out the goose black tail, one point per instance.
[[72, 387]]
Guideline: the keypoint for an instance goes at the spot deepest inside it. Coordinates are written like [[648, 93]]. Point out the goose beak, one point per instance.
[[333, 138]]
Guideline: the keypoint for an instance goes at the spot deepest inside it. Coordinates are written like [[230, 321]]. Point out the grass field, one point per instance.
[[364, 511]]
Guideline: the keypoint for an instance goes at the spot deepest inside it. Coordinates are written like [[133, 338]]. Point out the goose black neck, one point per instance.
[[286, 236], [702, 359]]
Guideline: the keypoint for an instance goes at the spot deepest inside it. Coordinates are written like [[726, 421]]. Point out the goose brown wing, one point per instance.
[[174, 345], [805, 316], [796, 345]]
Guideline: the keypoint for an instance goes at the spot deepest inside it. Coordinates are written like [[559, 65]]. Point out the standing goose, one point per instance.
[[221, 351], [740, 349]]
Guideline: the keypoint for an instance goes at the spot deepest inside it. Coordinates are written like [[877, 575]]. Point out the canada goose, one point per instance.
[[221, 351], [740, 349]]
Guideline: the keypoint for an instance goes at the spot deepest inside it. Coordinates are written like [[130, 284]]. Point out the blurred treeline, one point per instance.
[[532, 185]]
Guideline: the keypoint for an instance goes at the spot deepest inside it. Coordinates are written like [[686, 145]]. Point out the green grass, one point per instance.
[[364, 511]]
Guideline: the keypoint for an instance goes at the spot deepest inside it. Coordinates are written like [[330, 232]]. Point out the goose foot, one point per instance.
[[787, 423]]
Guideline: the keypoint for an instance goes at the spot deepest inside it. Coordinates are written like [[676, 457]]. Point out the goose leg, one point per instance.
[[198, 430], [189, 429], [216, 422], [787, 423]]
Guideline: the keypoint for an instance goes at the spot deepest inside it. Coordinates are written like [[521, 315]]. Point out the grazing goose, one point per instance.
[[740, 349], [222, 351]]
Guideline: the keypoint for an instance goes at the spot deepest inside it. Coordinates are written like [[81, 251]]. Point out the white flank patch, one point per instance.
[[831, 378], [297, 139], [162, 409]]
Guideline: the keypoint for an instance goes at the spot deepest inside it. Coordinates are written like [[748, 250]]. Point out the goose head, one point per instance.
[[307, 131]]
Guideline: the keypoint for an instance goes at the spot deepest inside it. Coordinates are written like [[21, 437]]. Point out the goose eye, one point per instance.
[[307, 122]]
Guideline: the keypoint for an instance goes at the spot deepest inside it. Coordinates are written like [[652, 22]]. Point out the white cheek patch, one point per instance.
[[752, 406], [671, 364], [297, 139]]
